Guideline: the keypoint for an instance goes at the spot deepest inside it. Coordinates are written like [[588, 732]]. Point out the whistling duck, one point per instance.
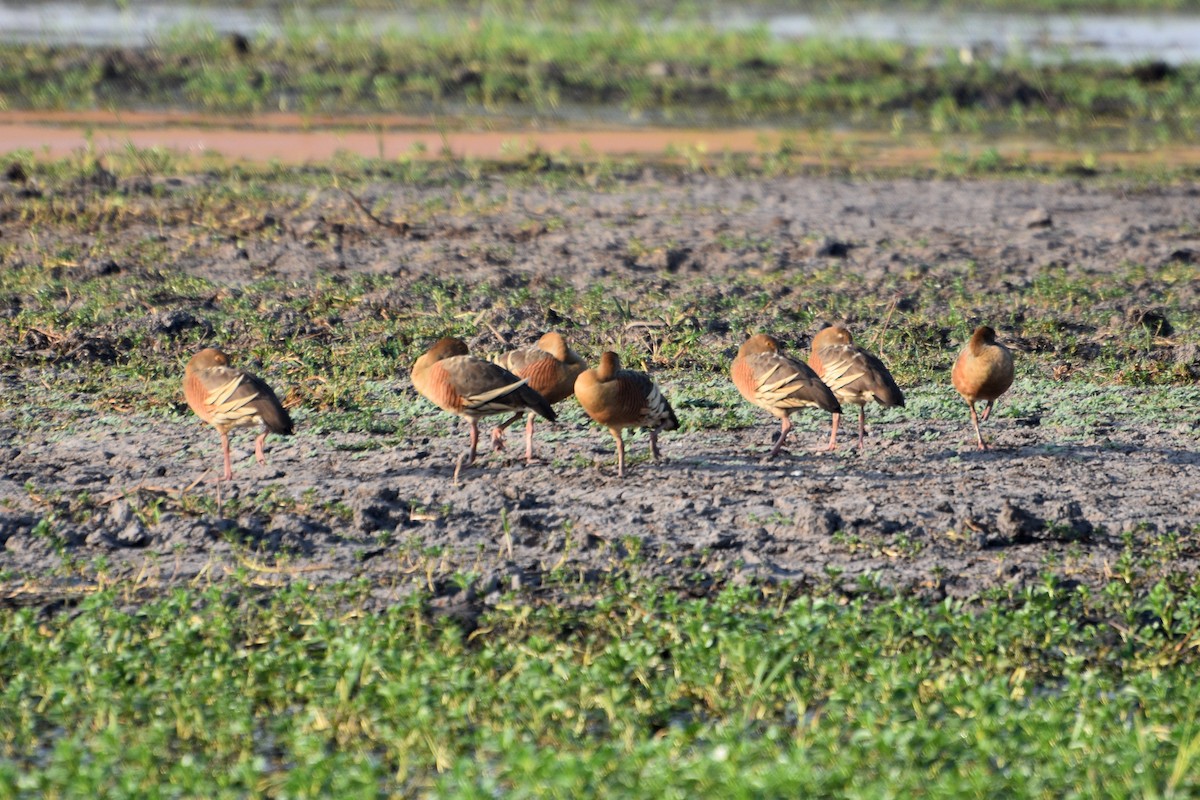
[[983, 371], [228, 398], [470, 387], [853, 374], [773, 380], [621, 398], [550, 369]]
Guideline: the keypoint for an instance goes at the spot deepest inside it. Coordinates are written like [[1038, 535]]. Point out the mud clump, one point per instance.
[[1056, 521], [175, 322]]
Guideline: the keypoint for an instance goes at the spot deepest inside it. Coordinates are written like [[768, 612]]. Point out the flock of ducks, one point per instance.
[[533, 380]]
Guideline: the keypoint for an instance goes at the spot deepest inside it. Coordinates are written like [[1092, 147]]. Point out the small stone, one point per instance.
[[812, 521]]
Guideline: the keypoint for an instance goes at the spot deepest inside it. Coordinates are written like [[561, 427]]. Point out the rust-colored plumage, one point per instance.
[[550, 369], [854, 375], [470, 387], [771, 379], [983, 371], [229, 398], [621, 398]]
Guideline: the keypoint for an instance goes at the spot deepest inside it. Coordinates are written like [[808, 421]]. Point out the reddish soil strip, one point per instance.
[[313, 145], [293, 138]]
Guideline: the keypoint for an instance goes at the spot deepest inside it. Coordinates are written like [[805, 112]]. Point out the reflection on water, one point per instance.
[[1124, 38]]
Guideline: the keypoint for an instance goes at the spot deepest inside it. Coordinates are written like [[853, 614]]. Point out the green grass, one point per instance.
[[610, 691], [349, 337], [689, 73]]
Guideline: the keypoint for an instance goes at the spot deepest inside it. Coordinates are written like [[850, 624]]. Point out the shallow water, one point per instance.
[[1053, 37], [84, 23], [1049, 37]]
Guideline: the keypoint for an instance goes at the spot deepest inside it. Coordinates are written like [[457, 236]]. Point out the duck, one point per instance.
[[853, 374], [550, 368], [228, 398], [448, 376], [983, 371], [771, 379], [620, 398]]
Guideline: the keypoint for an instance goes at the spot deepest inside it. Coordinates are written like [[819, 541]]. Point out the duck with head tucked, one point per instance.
[[771, 379], [456, 381], [229, 398]]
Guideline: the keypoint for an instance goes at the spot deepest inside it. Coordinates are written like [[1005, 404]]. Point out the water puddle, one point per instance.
[[976, 35]]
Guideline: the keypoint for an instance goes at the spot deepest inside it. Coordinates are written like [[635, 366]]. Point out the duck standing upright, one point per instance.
[[621, 398], [983, 371]]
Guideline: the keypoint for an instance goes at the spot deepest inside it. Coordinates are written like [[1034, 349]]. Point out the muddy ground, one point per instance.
[[919, 510]]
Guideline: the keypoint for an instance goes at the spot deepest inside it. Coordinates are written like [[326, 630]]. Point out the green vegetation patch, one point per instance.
[[110, 282], [611, 691], [686, 71], [120, 340]]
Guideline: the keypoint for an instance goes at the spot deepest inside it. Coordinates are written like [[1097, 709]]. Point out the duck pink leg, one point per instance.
[[228, 476], [833, 434], [529, 440], [975, 422], [783, 432], [474, 441]]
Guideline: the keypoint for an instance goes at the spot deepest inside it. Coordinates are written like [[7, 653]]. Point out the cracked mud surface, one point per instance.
[[919, 510]]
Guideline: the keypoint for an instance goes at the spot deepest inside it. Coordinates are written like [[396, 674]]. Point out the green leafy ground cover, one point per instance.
[[614, 691]]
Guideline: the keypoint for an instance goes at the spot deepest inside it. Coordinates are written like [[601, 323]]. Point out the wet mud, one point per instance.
[[918, 510]]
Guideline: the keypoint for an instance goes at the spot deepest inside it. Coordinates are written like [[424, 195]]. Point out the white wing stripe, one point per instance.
[[479, 400]]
